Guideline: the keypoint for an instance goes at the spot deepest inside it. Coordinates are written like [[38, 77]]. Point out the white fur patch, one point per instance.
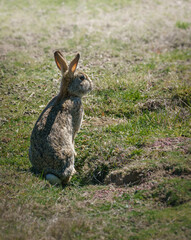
[[54, 180]]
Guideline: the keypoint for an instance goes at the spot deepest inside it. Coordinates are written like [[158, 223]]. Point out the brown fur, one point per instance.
[[52, 139]]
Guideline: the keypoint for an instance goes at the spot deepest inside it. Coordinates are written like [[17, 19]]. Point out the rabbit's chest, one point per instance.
[[77, 113], [74, 109]]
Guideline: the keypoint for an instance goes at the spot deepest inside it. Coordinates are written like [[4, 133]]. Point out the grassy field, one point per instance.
[[133, 161]]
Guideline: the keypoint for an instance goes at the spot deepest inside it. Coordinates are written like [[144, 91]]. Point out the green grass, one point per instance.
[[133, 151], [182, 25]]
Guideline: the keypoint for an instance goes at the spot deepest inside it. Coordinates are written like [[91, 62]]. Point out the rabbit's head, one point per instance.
[[73, 83]]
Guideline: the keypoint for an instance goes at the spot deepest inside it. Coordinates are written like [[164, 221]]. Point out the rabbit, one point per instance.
[[51, 149]]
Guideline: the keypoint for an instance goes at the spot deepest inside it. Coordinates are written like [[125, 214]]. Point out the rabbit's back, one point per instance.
[[52, 147]]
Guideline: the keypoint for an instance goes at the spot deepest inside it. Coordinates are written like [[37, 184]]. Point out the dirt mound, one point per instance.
[[125, 176]]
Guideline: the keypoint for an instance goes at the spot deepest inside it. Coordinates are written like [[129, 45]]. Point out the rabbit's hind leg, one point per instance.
[[54, 180]]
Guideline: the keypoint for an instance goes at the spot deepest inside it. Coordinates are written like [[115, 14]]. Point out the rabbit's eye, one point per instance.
[[82, 77]]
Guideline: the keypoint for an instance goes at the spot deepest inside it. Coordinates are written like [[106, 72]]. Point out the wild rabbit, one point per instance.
[[52, 140]]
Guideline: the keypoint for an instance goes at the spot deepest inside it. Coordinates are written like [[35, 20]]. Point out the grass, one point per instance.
[[182, 25], [133, 151]]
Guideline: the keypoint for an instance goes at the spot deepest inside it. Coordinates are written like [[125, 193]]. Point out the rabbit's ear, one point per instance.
[[60, 61], [74, 63]]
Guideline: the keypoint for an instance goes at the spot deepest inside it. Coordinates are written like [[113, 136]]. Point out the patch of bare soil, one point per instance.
[[152, 104], [169, 144], [109, 193], [125, 176]]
